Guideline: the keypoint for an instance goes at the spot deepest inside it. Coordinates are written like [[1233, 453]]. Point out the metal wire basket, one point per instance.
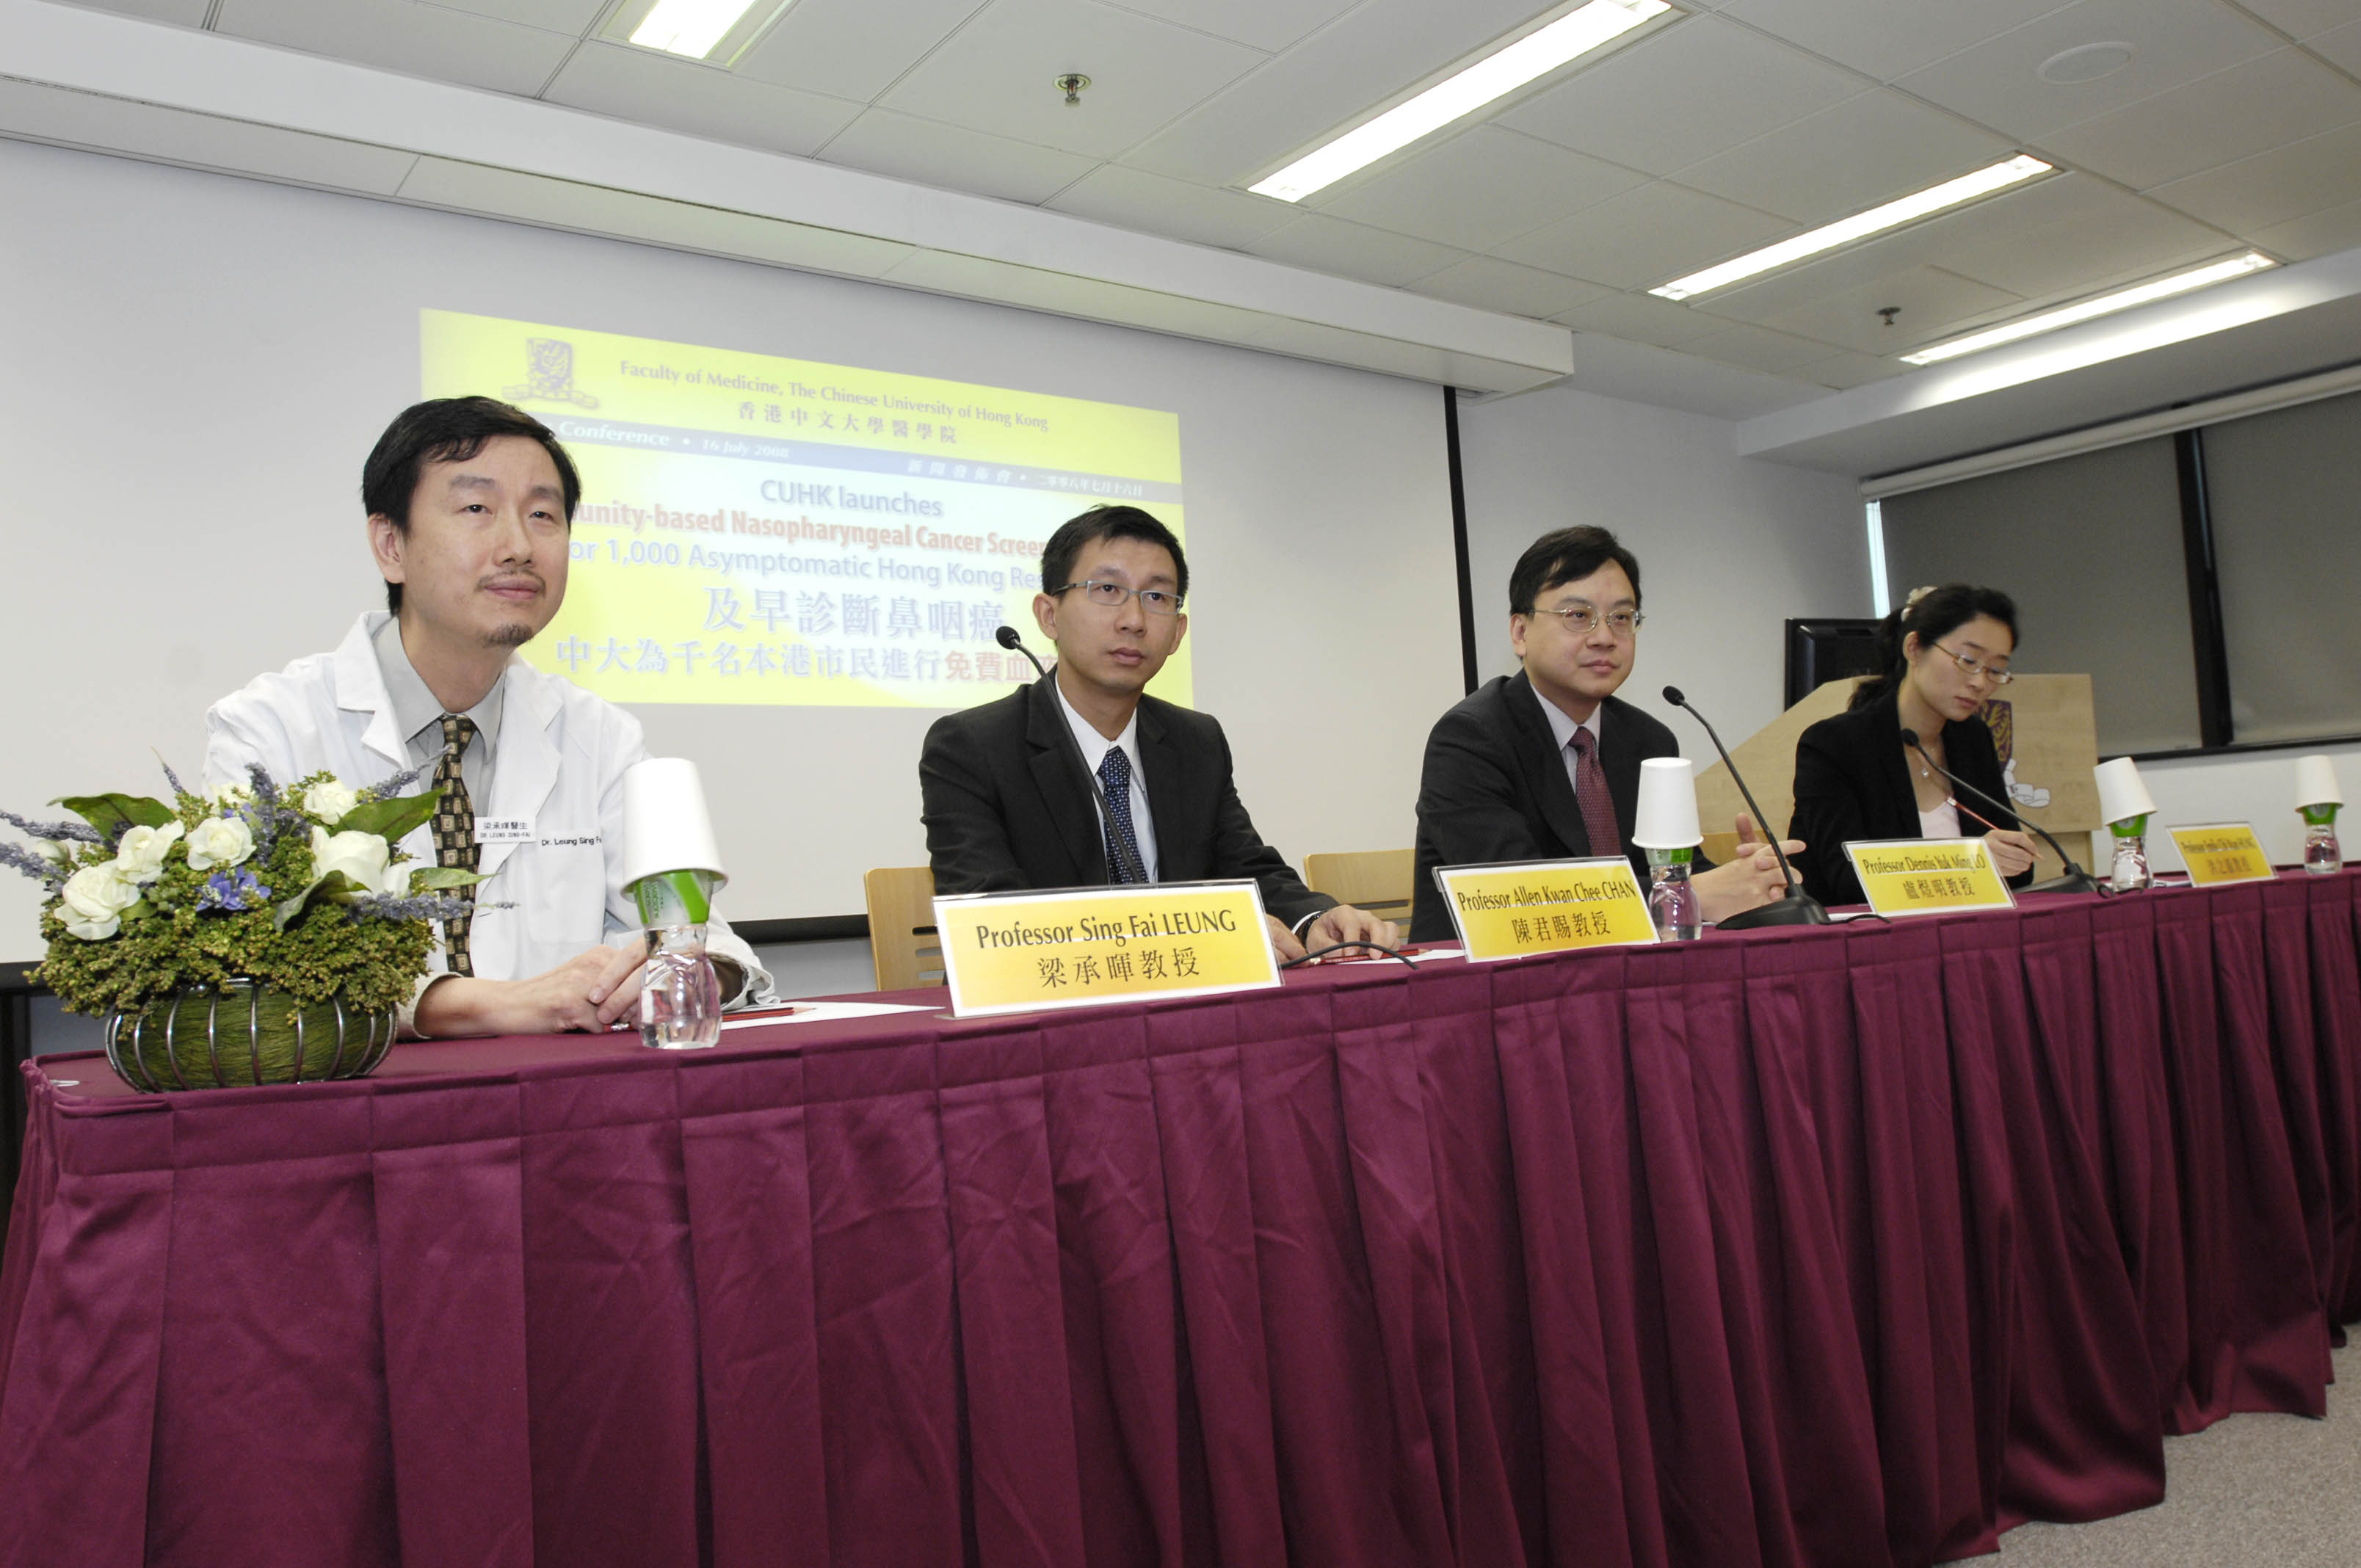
[[242, 1035]]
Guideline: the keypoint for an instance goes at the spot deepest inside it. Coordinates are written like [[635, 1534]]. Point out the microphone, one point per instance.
[[1794, 907], [1006, 637], [2076, 879], [1134, 870]]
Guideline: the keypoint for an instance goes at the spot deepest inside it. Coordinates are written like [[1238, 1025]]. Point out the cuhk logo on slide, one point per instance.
[[1999, 718], [549, 375]]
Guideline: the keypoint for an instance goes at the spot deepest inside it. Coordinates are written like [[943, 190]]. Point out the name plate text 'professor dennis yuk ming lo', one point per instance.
[[1028, 952]]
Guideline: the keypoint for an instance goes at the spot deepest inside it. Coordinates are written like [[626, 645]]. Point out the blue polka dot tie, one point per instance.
[[1114, 771]]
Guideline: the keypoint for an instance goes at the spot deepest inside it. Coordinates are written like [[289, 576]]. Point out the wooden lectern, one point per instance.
[[2043, 727]]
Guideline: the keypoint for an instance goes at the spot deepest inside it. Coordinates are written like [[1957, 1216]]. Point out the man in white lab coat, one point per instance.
[[470, 510]]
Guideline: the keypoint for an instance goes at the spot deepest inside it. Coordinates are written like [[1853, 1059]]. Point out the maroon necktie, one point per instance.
[[1590, 794]]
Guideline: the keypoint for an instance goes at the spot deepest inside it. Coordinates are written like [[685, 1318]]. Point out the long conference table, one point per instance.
[[1835, 1247]]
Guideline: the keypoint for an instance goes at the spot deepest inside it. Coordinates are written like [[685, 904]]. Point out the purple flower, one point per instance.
[[63, 832], [19, 857], [232, 891], [419, 906]]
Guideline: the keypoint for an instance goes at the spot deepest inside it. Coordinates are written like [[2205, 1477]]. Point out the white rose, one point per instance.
[[360, 856], [397, 879], [94, 900], [232, 794], [220, 841], [141, 852], [58, 855], [329, 801]]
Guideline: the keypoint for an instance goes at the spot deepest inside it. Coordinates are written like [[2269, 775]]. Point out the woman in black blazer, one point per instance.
[[1946, 651]]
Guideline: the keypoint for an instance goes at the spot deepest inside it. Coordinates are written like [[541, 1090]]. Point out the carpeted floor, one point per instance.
[[2252, 1492]]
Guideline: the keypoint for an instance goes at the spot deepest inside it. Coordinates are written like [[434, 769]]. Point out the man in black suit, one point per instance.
[[1545, 765], [1008, 803]]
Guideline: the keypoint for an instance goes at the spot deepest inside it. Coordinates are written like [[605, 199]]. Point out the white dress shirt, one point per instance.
[[1095, 747]]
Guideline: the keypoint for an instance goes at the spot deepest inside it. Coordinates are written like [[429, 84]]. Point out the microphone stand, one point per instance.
[[1793, 907], [1133, 869], [2076, 879]]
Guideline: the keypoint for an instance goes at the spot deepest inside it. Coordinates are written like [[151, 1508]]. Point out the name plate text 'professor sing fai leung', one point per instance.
[[1029, 952], [1523, 907], [1928, 876]]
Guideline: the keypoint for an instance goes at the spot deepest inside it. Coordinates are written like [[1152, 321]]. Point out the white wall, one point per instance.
[[1729, 547]]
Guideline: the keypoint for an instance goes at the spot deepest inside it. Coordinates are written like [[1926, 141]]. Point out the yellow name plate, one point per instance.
[[1026, 952], [2222, 851], [1928, 876], [1524, 907]]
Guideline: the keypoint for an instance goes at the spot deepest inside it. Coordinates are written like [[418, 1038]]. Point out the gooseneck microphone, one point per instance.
[[1134, 870], [1793, 907], [2076, 879]]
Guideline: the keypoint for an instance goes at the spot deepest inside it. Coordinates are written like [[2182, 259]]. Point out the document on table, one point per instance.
[[824, 1012]]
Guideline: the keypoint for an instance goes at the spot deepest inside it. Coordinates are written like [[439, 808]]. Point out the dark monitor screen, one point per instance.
[[1825, 649]]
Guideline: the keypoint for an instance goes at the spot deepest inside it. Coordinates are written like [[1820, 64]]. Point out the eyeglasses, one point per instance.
[[1582, 619], [1972, 668], [1114, 595]]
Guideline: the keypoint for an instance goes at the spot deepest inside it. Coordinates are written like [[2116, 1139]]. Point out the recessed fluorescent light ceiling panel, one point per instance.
[[1861, 225], [693, 27], [2105, 304], [1494, 76]]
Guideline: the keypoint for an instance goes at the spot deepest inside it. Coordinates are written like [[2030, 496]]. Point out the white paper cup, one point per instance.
[[666, 825], [2315, 783], [2121, 792], [1668, 814]]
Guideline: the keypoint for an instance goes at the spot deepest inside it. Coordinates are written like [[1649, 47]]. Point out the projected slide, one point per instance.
[[757, 529]]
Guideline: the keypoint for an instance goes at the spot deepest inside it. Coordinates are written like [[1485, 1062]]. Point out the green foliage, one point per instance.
[[390, 820], [113, 813], [169, 941]]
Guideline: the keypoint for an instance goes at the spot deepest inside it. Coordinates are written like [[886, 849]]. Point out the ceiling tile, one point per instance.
[[2175, 41], [1930, 303], [2230, 115], [1681, 94], [908, 148], [2301, 19], [1641, 318], [1845, 371], [1113, 194], [2340, 48], [181, 13], [552, 15], [1864, 151], [2068, 234], [2338, 228], [994, 75], [1367, 55], [838, 47], [1643, 236], [1270, 25], [421, 41], [1481, 189], [1886, 38], [2286, 183], [1757, 349], [1332, 245], [1494, 285], [702, 99]]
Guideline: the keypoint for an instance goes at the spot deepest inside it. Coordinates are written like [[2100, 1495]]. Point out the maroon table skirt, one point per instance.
[[1828, 1247]]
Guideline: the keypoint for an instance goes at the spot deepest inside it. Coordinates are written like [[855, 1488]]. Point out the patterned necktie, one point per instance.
[[1590, 794], [1114, 771], [455, 833]]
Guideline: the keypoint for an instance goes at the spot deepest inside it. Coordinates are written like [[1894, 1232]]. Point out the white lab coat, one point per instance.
[[562, 754]]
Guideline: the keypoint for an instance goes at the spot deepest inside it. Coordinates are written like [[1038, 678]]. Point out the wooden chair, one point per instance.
[[902, 940], [1380, 881]]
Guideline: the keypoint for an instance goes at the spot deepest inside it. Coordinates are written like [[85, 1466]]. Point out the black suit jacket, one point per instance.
[[1852, 781], [1008, 807], [1494, 787]]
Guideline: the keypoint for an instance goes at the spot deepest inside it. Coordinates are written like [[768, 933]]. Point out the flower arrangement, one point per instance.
[[302, 889]]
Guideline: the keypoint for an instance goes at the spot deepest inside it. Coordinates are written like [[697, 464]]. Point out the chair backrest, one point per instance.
[[902, 940], [1380, 881]]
